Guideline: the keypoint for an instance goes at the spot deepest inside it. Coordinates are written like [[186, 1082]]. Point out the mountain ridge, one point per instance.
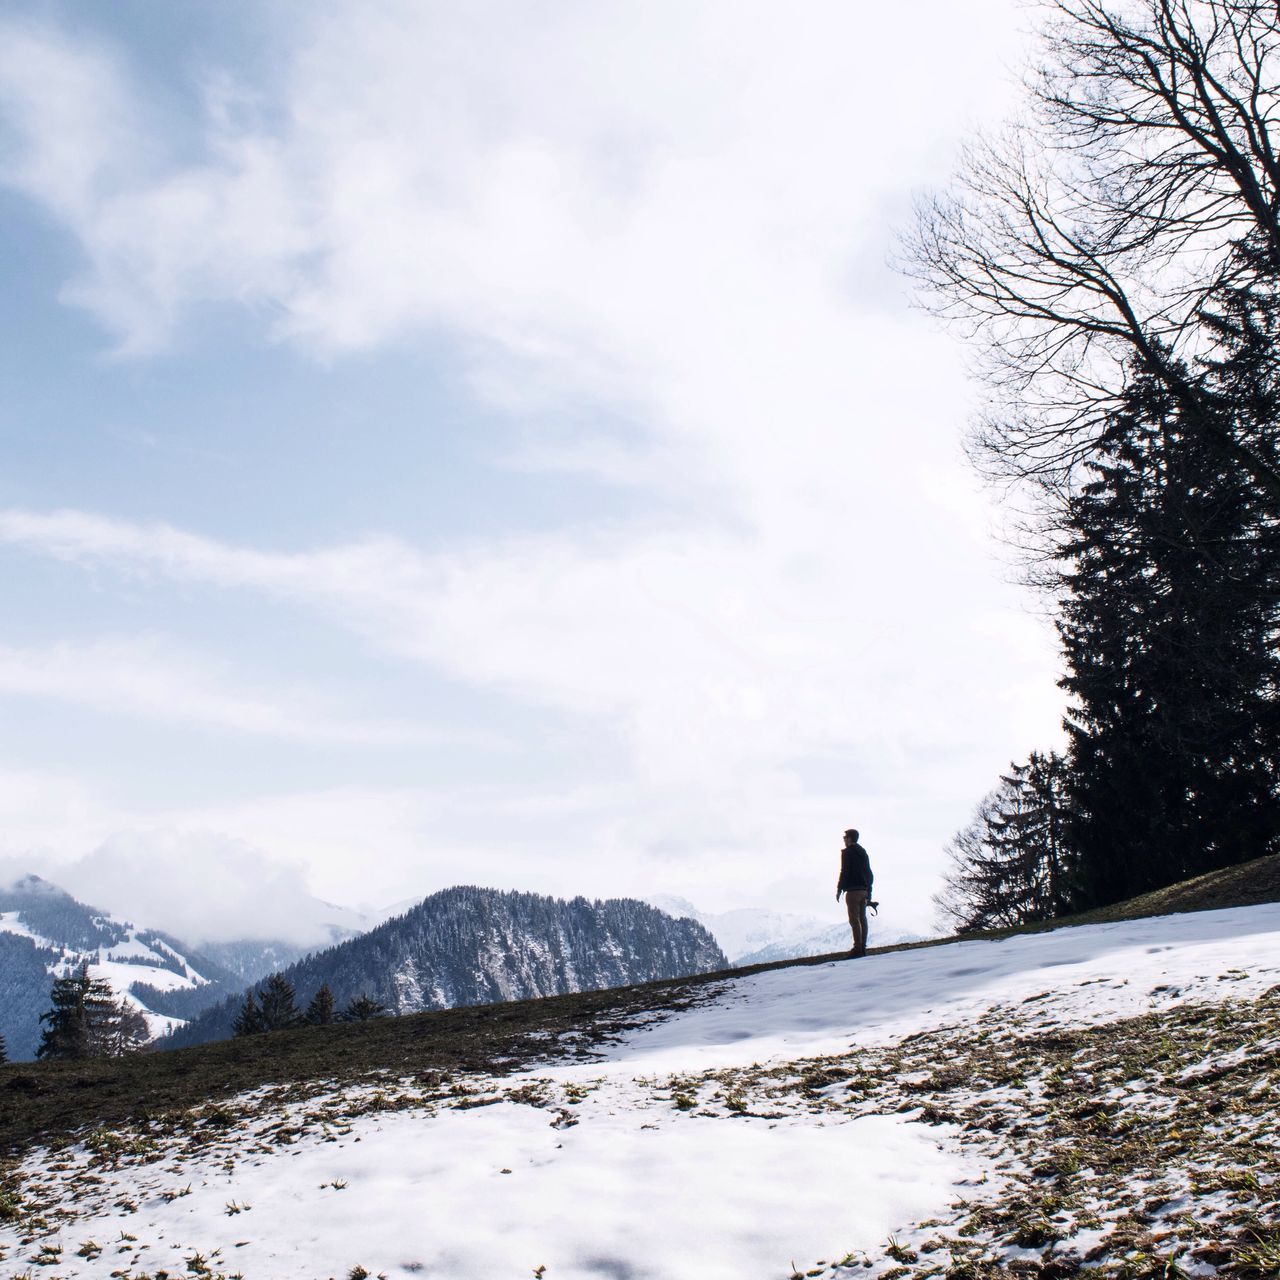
[[469, 945]]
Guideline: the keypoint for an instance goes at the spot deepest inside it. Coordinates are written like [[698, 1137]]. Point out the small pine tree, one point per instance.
[[120, 1029], [278, 1008], [362, 1008], [320, 1011], [4, 1051], [87, 1021], [68, 1032], [1011, 864], [102, 1015], [66, 1036], [249, 1020]]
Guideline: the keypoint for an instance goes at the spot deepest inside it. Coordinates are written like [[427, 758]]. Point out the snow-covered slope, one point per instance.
[[775, 1128], [45, 933], [754, 935]]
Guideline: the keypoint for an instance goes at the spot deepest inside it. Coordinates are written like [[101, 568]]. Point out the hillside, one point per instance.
[[46, 933], [469, 946], [1090, 1099], [460, 1040]]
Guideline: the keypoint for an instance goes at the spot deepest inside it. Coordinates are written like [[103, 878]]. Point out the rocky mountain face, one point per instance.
[[468, 945], [46, 933]]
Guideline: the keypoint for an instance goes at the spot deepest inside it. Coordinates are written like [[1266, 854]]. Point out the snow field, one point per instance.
[[497, 1191], [648, 1164], [1078, 977]]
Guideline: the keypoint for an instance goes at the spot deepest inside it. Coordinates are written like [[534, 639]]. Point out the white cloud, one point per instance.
[[143, 676], [44, 816], [712, 663], [174, 871], [660, 214], [202, 887], [710, 654]]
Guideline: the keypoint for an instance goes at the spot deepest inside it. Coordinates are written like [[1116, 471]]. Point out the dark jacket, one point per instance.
[[855, 869]]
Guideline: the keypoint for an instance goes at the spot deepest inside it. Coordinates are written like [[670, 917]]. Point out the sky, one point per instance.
[[490, 444]]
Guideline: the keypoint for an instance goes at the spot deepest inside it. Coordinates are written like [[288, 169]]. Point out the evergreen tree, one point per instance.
[[362, 1008], [249, 1020], [1011, 864], [1172, 574], [320, 1012], [87, 1021], [67, 1033], [277, 1007], [4, 1051], [122, 1029]]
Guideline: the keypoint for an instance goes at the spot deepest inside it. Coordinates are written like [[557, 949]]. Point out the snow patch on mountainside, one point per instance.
[[11, 922], [54, 935]]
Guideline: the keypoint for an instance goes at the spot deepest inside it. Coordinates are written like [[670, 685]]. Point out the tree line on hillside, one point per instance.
[[1116, 255], [87, 1020], [273, 1007], [464, 945]]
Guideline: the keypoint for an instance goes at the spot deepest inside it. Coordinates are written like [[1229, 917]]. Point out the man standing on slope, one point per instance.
[[855, 883]]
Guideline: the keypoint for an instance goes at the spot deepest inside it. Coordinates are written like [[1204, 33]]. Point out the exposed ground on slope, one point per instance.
[[53, 1100], [1243, 886], [48, 1100], [1145, 1148]]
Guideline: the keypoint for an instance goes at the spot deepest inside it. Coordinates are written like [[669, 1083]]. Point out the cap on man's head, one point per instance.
[[852, 834]]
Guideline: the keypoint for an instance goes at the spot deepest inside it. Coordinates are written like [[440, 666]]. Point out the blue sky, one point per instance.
[[487, 444]]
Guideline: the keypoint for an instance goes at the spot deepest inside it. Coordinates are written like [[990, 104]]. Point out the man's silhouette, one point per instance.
[[855, 883]]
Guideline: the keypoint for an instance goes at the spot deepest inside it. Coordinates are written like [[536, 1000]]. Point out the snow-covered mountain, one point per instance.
[[46, 933], [468, 945], [754, 935]]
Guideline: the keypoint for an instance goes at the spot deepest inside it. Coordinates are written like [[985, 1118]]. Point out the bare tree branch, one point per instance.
[[1092, 236]]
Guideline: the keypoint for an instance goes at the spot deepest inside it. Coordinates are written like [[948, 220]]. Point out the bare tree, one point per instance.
[[1142, 182]]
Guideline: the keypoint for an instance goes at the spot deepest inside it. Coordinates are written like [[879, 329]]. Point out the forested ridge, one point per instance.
[[468, 946], [1115, 259]]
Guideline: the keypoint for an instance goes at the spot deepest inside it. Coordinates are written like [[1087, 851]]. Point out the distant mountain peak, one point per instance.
[[32, 885]]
